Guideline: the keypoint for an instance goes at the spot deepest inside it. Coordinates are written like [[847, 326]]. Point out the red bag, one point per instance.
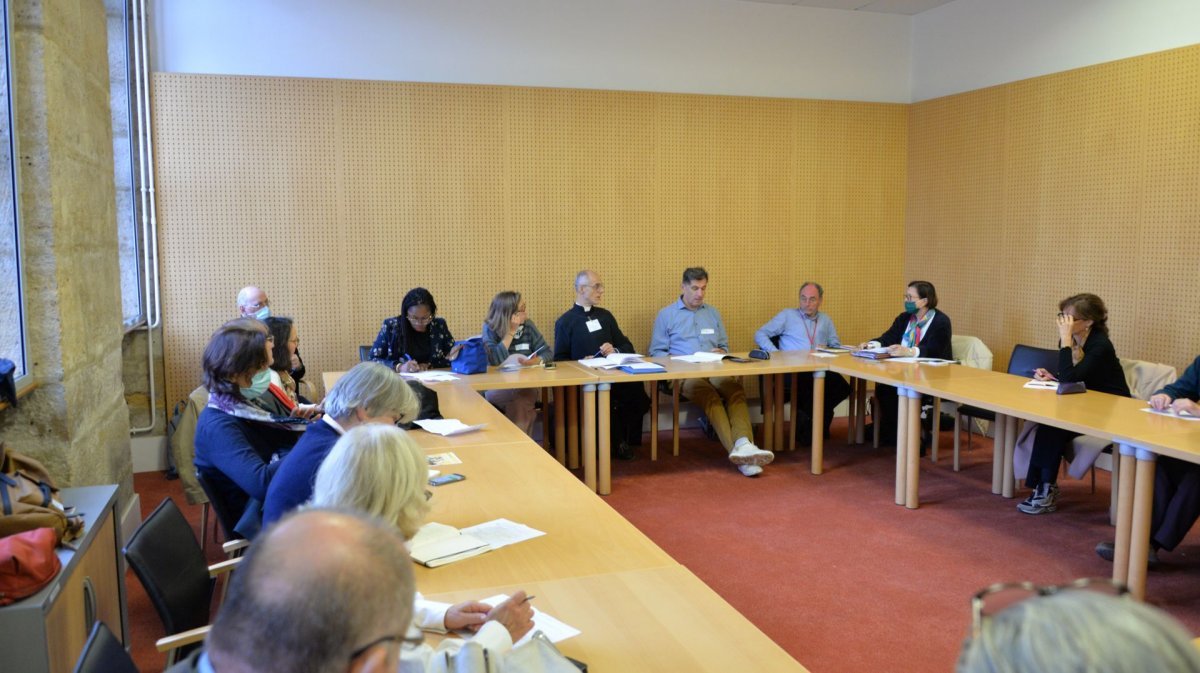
[[27, 563]]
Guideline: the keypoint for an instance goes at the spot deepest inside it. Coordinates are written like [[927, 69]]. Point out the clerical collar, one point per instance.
[[586, 309]]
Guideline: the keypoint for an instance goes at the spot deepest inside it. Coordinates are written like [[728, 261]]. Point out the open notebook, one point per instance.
[[437, 544]]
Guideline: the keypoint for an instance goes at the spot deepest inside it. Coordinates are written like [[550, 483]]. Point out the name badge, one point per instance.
[[521, 347], [593, 325], [708, 330]]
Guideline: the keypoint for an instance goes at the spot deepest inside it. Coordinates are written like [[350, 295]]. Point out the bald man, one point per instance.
[[252, 302], [324, 590]]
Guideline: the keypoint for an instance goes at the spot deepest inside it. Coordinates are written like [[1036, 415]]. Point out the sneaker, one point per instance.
[[749, 454], [1043, 500], [750, 470], [1105, 551]]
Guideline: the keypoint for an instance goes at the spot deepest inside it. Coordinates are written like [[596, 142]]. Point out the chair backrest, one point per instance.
[[1146, 378], [182, 443], [971, 351], [167, 559], [226, 516], [103, 653], [1025, 359], [364, 353]]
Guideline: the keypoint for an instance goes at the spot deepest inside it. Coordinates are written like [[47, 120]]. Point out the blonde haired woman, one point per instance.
[[380, 470]]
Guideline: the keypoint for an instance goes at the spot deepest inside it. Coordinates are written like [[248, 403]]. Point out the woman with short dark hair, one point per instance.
[[416, 339], [919, 331], [238, 445]]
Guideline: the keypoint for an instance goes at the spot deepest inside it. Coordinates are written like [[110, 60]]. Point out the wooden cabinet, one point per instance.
[[47, 631]]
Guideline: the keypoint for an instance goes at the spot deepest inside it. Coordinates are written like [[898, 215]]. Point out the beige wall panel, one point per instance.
[[1089, 161], [339, 196]]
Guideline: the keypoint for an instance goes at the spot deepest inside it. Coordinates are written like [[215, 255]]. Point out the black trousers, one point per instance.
[[1049, 444], [629, 403], [836, 390], [885, 415], [1176, 501]]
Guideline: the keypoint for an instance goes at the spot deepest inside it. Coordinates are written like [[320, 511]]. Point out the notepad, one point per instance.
[[611, 361], [880, 353], [447, 427], [703, 356], [448, 458], [1035, 384], [552, 627], [502, 532], [933, 362], [642, 368], [437, 544], [1183, 416], [430, 376]]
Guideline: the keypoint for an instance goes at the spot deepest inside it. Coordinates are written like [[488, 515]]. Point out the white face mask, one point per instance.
[[263, 313]]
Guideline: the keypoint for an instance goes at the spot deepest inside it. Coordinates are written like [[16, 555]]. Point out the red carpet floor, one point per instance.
[[828, 566]]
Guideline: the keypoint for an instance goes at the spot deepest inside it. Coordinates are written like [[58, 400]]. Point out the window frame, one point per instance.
[[25, 381]]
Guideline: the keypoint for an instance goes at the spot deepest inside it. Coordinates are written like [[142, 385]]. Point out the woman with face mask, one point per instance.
[[920, 331], [1085, 354], [238, 445], [512, 339]]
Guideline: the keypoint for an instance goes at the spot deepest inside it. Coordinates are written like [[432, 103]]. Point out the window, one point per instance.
[[12, 309], [125, 156]]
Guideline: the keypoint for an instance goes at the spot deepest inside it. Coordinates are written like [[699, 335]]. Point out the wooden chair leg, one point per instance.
[[204, 528], [675, 389]]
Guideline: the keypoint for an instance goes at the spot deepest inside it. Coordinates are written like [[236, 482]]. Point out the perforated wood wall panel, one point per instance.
[[338, 196], [1081, 181]]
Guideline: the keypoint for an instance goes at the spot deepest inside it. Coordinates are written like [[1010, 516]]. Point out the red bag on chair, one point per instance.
[[27, 563]]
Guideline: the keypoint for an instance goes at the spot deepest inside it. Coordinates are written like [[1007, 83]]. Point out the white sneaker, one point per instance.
[[750, 470], [749, 454]]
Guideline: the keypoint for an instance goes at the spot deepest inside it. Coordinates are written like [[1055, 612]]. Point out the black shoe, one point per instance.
[[1105, 550], [623, 451]]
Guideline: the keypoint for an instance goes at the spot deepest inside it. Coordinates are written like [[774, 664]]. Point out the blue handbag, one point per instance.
[[472, 358]]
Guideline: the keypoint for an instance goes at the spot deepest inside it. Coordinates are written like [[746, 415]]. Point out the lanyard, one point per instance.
[[812, 334]]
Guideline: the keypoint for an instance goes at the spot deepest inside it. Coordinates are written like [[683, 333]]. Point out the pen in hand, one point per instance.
[[528, 598]]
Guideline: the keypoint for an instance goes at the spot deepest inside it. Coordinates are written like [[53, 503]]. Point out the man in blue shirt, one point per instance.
[[803, 329], [690, 326]]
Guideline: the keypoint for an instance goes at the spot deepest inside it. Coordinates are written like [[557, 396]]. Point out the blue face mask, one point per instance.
[[263, 313], [910, 307], [258, 385]]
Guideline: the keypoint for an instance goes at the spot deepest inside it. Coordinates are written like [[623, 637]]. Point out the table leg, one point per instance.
[[653, 420], [1139, 534], [818, 426], [901, 445], [589, 435], [1126, 474], [603, 446], [768, 412], [1010, 448], [957, 433], [935, 428], [852, 419], [913, 471], [560, 425], [675, 388], [860, 423], [779, 410], [545, 393], [573, 428], [998, 454], [791, 446]]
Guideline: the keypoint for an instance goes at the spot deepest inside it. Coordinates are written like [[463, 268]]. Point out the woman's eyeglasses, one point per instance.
[[420, 321], [997, 598]]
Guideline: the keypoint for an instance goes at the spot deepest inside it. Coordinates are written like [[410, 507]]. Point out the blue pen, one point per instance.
[[599, 354]]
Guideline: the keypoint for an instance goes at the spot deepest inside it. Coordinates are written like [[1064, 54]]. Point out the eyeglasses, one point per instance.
[[997, 598], [395, 638], [270, 339], [599, 287], [809, 300], [420, 321], [522, 310]]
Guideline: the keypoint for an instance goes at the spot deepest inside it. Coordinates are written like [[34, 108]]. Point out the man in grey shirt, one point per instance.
[[689, 326], [802, 329]]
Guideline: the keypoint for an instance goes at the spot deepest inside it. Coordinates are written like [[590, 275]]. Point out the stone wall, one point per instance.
[[76, 421]]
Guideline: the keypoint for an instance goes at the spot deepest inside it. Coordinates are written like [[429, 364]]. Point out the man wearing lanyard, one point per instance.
[[803, 329], [689, 326], [589, 331]]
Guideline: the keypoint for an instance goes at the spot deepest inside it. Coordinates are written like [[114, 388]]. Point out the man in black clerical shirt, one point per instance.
[[587, 331]]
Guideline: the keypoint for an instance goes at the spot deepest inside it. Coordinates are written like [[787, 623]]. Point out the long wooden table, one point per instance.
[[637, 608], [651, 620]]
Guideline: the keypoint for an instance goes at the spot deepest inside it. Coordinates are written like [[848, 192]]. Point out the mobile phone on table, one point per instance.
[[736, 359], [443, 479]]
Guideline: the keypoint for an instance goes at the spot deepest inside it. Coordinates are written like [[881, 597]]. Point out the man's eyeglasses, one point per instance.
[[595, 286], [997, 598], [401, 638]]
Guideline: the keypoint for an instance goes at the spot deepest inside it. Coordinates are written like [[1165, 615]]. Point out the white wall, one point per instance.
[[971, 44], [693, 46]]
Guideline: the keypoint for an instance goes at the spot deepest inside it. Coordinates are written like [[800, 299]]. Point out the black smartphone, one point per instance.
[[736, 359], [549, 365], [443, 479]]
